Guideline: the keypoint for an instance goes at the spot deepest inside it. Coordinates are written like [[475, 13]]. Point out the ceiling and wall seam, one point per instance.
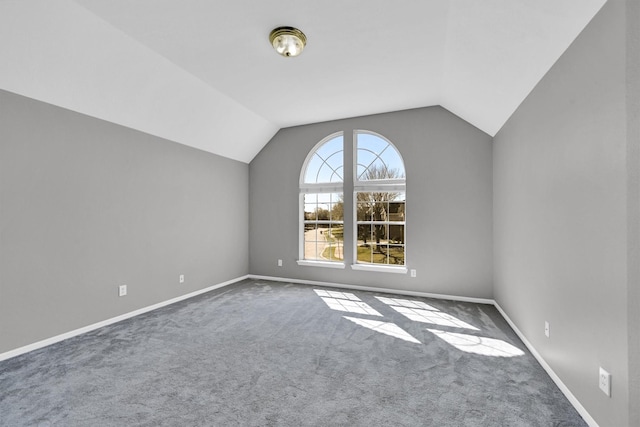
[[203, 74]]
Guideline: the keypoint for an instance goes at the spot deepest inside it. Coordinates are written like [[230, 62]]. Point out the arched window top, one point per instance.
[[324, 164], [377, 203], [377, 158]]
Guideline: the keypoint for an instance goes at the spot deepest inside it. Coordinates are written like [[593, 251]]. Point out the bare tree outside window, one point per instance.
[[380, 215], [378, 202]]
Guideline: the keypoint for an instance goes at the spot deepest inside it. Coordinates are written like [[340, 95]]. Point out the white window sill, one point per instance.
[[321, 264], [379, 268]]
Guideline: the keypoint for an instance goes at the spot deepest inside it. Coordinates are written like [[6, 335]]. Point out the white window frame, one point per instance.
[[313, 188], [387, 185]]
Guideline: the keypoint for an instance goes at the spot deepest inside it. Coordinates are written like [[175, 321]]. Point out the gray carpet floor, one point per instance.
[[261, 353]]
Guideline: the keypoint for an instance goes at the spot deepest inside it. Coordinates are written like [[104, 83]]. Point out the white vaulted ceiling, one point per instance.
[[202, 72]]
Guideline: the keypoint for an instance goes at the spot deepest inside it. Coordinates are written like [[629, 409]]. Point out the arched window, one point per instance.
[[379, 200], [378, 204], [322, 201]]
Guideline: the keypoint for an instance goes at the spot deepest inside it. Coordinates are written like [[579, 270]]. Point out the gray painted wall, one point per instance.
[[633, 205], [560, 216], [87, 205], [449, 208]]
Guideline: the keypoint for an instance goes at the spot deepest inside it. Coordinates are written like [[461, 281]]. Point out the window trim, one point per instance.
[[325, 264], [390, 185], [367, 183], [313, 188], [381, 268], [391, 268], [312, 152]]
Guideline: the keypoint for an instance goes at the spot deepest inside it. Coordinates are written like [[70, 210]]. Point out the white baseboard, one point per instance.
[[565, 390], [85, 329], [556, 379], [374, 289]]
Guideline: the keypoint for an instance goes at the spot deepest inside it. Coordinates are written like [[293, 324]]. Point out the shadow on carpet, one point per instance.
[[261, 353]]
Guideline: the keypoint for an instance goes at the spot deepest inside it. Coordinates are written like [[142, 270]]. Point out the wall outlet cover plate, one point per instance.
[[604, 382]]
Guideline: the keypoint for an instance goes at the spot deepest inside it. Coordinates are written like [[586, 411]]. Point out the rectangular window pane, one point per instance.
[[323, 228], [322, 211], [310, 207], [363, 212], [396, 254], [314, 241], [396, 211], [334, 251], [337, 233], [381, 229], [364, 234], [396, 234], [365, 253], [323, 242], [337, 207], [383, 255], [310, 242]]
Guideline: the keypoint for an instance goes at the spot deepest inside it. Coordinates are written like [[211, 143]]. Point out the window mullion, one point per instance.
[[328, 227], [349, 209]]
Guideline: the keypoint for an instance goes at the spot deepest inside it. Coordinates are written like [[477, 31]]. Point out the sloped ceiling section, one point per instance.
[[202, 73], [61, 53]]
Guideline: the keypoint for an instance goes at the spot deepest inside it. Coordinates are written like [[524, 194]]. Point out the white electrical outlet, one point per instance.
[[122, 290], [547, 328], [182, 278], [279, 263], [604, 381], [413, 273]]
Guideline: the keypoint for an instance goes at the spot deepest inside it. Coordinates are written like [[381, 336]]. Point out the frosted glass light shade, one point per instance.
[[288, 41]]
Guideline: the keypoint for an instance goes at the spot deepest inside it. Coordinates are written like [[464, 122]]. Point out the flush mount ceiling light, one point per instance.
[[288, 41]]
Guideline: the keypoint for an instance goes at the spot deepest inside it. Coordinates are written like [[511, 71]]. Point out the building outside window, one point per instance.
[[378, 204]]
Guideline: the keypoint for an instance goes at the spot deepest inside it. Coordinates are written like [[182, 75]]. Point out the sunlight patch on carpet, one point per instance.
[[336, 294], [399, 302], [433, 317], [478, 345], [384, 328]]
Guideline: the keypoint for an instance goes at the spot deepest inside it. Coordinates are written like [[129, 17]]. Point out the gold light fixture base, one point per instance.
[[288, 41]]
